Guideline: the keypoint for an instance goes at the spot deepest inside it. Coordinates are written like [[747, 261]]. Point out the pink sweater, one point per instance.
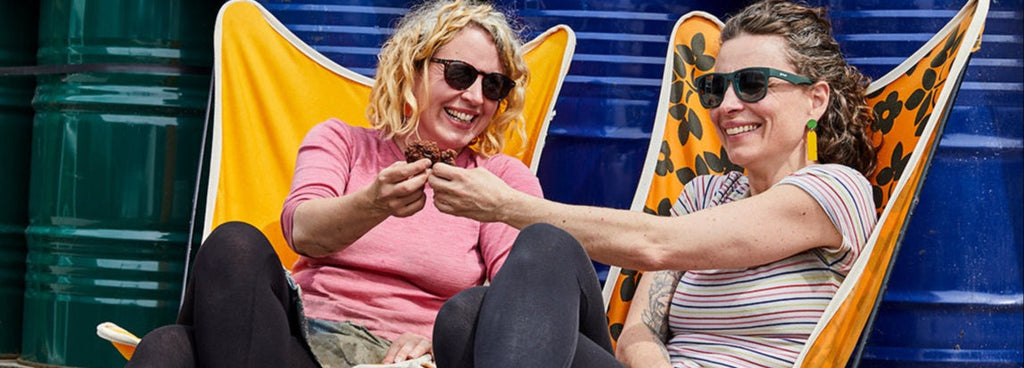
[[394, 278]]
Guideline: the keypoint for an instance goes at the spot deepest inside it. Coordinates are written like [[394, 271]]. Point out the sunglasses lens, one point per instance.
[[751, 85], [459, 75], [496, 86], [711, 89]]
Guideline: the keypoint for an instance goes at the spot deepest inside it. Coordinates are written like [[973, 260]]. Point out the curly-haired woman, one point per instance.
[[749, 261]]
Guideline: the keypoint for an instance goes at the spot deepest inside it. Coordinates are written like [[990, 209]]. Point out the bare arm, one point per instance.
[[327, 225], [780, 222], [643, 338]]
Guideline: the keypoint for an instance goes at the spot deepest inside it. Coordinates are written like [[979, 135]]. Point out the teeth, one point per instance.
[[459, 116], [740, 129]]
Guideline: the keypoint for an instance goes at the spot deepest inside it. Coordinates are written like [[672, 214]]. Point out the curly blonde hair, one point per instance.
[[843, 135], [418, 36]]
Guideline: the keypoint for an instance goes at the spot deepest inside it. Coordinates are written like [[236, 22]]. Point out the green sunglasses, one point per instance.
[[749, 84]]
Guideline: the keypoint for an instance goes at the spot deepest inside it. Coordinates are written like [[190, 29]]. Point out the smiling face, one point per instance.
[[452, 117], [766, 137]]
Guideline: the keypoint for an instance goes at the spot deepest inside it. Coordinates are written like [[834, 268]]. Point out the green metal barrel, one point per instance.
[[18, 27], [115, 150]]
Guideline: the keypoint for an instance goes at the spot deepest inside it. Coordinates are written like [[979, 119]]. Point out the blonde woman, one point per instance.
[[377, 259]]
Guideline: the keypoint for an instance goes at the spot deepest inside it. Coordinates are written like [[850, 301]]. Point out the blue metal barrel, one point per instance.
[[18, 26], [114, 160], [955, 296]]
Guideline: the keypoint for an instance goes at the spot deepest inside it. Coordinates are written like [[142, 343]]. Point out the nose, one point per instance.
[[475, 92], [730, 101]]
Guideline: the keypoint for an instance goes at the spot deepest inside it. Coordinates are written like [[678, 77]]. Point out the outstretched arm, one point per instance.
[[643, 338], [780, 222]]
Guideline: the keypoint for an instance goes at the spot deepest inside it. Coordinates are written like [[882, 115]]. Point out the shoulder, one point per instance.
[[502, 163], [844, 193], [847, 199], [512, 171], [335, 131], [831, 176], [337, 127]]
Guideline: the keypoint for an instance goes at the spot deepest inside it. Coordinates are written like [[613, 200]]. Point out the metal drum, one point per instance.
[[18, 25], [955, 295], [115, 151]]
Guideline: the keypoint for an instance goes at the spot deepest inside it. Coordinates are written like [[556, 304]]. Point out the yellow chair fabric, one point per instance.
[[271, 88], [911, 104]]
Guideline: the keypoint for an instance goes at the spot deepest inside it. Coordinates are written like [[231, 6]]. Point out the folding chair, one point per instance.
[[271, 88], [911, 104]]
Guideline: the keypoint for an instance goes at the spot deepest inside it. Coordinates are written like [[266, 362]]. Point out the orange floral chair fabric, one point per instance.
[[911, 104]]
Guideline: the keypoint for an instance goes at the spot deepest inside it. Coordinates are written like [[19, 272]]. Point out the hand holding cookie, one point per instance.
[[418, 150]]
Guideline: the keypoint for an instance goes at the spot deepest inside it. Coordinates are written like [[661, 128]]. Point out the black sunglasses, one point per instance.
[[749, 84], [460, 76]]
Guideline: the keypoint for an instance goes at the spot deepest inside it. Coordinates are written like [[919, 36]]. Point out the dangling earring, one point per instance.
[[812, 140]]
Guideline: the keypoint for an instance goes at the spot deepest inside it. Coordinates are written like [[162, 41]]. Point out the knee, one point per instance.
[[544, 242], [455, 326], [544, 230], [170, 335], [167, 346], [463, 307], [235, 243]]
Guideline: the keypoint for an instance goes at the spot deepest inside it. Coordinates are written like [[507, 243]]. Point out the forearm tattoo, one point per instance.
[[655, 316]]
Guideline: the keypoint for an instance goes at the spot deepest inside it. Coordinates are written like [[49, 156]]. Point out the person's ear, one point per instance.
[[819, 93]]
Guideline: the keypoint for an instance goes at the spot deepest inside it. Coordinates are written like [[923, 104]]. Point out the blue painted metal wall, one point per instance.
[[955, 297]]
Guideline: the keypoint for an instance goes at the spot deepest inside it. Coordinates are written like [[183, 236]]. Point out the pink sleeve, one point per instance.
[[496, 238], [321, 169]]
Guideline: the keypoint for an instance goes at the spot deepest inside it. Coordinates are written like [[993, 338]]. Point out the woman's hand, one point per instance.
[[327, 225], [475, 193], [398, 189], [407, 346]]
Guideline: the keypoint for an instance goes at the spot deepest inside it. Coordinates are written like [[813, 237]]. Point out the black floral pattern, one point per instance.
[[921, 88], [664, 165], [886, 112]]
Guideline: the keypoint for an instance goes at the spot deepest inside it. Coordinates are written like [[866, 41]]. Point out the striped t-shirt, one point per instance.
[[762, 316]]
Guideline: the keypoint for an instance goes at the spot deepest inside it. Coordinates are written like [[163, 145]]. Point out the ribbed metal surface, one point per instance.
[[17, 48], [114, 159], [955, 297]]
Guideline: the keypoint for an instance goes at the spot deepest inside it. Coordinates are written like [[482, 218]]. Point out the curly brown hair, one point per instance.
[[419, 34], [843, 131]]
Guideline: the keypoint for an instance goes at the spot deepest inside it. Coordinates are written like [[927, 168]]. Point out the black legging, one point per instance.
[[543, 309], [237, 310]]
